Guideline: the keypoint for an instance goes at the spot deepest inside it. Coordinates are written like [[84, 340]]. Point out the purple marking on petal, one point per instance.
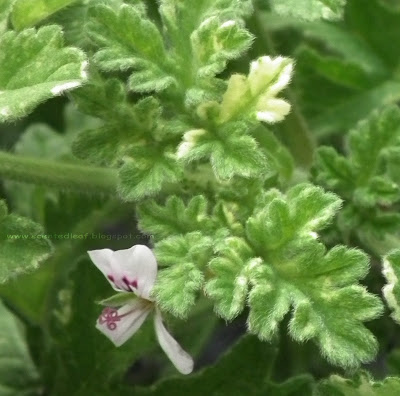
[[134, 284], [125, 280], [111, 278]]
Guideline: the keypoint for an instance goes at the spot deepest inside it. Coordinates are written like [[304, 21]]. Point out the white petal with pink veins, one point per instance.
[[120, 324], [181, 359], [139, 268], [102, 259]]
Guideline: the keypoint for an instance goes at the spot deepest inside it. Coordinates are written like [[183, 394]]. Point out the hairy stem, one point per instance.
[[295, 132], [59, 175]]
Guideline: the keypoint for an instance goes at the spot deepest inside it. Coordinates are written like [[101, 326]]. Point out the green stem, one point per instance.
[[295, 132], [59, 175]]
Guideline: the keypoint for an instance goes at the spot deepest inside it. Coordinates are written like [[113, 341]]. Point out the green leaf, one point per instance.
[[174, 217], [307, 210], [177, 287], [128, 40], [230, 150], [360, 385], [43, 69], [26, 14], [146, 175], [309, 9], [212, 380], [285, 266], [22, 245], [18, 374], [391, 291]]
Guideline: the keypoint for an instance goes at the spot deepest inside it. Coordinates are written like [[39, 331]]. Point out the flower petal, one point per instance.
[[138, 269], [102, 259], [119, 325], [181, 359]]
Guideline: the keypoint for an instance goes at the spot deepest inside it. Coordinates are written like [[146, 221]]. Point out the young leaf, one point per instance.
[[18, 374], [128, 40], [309, 9], [22, 245], [26, 14], [34, 67], [391, 292], [255, 95]]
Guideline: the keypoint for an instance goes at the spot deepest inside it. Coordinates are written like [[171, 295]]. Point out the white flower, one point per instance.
[[134, 270]]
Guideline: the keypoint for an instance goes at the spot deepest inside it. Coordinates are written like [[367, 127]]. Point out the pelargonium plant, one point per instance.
[[231, 168]]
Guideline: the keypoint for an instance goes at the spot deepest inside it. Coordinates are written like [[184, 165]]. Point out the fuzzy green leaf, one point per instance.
[[307, 210], [22, 245], [177, 287], [174, 217], [285, 266], [26, 14], [146, 175], [391, 292], [230, 150], [128, 40], [18, 374], [35, 67], [360, 385], [192, 247], [309, 9]]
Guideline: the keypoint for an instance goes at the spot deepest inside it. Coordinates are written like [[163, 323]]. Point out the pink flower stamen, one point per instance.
[[110, 317]]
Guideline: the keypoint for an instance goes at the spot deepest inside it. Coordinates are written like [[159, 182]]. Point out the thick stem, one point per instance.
[[59, 175], [295, 132]]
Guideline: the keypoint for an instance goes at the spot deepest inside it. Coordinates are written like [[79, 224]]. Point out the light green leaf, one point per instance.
[[295, 270], [22, 245], [128, 40], [18, 374], [391, 291], [309, 9], [360, 385], [26, 14], [34, 67], [174, 217]]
